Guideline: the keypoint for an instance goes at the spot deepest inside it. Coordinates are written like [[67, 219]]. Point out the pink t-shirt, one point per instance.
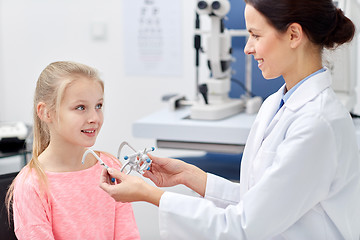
[[75, 208]]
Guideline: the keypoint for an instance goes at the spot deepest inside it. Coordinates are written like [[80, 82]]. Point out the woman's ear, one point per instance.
[[296, 35], [43, 112]]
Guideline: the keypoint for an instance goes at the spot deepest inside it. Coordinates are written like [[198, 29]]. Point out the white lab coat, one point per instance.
[[300, 177]]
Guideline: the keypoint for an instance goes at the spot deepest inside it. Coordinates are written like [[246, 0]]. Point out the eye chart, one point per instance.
[[153, 37]]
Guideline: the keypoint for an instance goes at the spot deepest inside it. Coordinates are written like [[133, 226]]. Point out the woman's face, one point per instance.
[[268, 46]]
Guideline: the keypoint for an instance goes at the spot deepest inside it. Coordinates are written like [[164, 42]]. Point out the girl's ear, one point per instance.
[[43, 112], [296, 35]]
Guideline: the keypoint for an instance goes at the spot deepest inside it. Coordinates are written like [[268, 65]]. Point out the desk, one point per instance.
[[174, 129], [24, 153]]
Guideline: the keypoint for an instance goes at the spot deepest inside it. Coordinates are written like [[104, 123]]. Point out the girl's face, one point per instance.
[[267, 45], [80, 115]]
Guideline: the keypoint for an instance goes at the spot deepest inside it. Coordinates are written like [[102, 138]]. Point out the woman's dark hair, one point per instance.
[[323, 23]]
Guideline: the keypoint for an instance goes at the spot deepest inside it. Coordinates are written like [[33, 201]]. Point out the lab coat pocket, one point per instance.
[[263, 160]]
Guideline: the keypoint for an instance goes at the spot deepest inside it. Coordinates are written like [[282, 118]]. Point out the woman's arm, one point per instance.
[[164, 172]]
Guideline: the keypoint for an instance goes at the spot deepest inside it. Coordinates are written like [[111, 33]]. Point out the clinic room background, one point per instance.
[[34, 33]]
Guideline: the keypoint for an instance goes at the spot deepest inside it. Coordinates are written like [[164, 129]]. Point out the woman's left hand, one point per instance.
[[128, 188]]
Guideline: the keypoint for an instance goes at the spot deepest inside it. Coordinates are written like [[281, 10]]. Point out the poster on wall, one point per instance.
[[152, 37]]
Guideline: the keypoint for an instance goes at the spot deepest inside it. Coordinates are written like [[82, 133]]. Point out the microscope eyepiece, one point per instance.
[[216, 5], [202, 5]]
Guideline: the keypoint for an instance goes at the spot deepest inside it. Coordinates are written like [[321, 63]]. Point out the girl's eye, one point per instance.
[[99, 106], [81, 107]]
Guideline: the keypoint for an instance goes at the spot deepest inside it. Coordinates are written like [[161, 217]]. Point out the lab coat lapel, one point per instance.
[[256, 135], [309, 90], [274, 113], [305, 93], [265, 118], [273, 122]]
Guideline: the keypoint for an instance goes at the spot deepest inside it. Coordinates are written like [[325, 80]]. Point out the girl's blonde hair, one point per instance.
[[50, 88]]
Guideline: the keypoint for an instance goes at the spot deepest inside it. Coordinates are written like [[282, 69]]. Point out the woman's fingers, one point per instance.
[[108, 178], [117, 174], [104, 177]]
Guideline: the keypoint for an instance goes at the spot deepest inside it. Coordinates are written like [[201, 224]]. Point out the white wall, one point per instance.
[[35, 33]]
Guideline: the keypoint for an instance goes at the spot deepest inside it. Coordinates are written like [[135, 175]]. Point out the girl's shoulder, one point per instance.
[[27, 182], [26, 177], [110, 159]]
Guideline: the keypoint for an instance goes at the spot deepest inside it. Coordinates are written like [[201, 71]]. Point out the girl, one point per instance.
[[56, 196], [300, 170]]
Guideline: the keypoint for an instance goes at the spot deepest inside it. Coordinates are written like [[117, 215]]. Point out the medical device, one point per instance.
[[95, 155], [216, 103], [12, 136], [343, 62], [138, 161]]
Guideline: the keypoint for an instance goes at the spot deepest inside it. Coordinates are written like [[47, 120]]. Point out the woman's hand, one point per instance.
[[128, 188], [167, 172]]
